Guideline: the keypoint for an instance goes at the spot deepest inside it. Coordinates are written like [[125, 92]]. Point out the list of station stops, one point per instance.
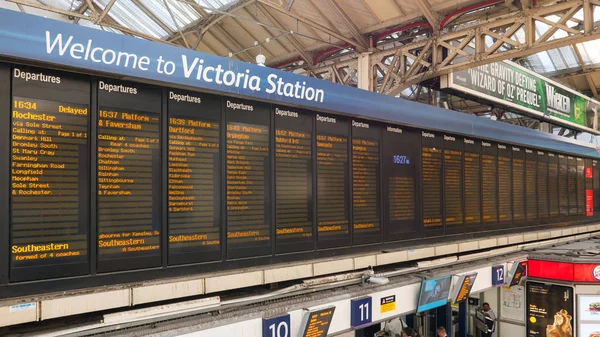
[[553, 185], [531, 172], [489, 178], [432, 157], [504, 183], [543, 182], [472, 169], [518, 183], [453, 183]]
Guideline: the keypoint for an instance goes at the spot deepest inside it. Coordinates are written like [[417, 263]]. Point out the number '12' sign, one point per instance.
[[276, 327], [497, 276], [361, 311]]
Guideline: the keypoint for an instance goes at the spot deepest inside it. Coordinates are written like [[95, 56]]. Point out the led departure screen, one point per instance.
[[580, 187], [194, 176], [472, 169], [49, 175], [572, 185], [489, 184], [589, 187], [293, 180], [365, 182], [563, 170], [129, 168], [431, 162], [542, 185], [553, 190], [504, 183], [531, 170], [596, 179], [247, 169], [400, 158], [518, 180], [333, 209], [453, 184]]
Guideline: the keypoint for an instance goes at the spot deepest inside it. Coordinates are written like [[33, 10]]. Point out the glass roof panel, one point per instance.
[[210, 5], [68, 5], [128, 14], [184, 14]]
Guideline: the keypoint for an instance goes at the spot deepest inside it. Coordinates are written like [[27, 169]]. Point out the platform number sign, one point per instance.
[[361, 311], [498, 276], [276, 327]]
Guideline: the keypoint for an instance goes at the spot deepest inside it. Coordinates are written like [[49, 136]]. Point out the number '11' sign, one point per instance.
[[361, 311]]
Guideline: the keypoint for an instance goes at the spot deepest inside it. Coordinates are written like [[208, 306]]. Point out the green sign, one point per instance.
[[514, 86]]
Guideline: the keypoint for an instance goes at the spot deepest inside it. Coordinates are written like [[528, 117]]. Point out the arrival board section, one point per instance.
[[504, 184], [129, 170], [530, 185], [293, 180], [49, 177], [542, 185], [472, 174], [563, 170], [248, 214], [580, 187], [431, 161], [518, 185], [572, 185], [333, 209], [453, 184], [489, 184], [194, 178], [365, 183], [399, 162], [553, 193]]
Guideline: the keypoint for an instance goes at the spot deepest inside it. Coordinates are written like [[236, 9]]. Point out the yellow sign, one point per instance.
[[387, 304]]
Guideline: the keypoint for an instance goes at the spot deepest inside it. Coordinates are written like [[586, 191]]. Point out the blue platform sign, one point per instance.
[[276, 327], [361, 312], [497, 276]]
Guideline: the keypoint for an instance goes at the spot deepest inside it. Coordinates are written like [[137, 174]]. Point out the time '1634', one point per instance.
[[25, 105]]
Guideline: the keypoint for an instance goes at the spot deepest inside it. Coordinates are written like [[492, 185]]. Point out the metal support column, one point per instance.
[[364, 72], [463, 313]]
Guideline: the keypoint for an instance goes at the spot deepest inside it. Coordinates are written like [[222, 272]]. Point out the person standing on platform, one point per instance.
[[441, 332], [490, 319]]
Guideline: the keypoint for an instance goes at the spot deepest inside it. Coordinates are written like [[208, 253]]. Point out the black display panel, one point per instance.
[[333, 187], [563, 190], [489, 184], [505, 176], [553, 190], [194, 177], [472, 176], [366, 209], [531, 171], [431, 168], [572, 185], [518, 187], [399, 162], [129, 176], [249, 216], [542, 185], [49, 195], [596, 194], [580, 187], [453, 184], [589, 187], [293, 180]]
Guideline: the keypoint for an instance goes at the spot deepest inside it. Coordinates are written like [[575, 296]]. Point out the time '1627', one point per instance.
[[401, 160]]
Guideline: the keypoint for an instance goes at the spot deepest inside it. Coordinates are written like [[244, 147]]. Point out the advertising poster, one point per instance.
[[589, 315], [512, 304], [434, 293], [549, 310], [509, 84], [589, 330]]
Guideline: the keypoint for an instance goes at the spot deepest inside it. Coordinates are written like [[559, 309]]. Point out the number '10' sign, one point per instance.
[[276, 327], [361, 311]]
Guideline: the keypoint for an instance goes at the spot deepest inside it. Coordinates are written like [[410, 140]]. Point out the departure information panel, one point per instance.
[[431, 163], [589, 187], [572, 185], [489, 184], [504, 183], [518, 188], [366, 211], [580, 187], [129, 176], [49, 176], [542, 185], [531, 172], [399, 162], [248, 170], [333, 194], [553, 185], [194, 178], [472, 169], [453, 184], [563, 170], [293, 180]]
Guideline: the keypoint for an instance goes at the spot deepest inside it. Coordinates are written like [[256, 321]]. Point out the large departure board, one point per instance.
[[333, 191], [553, 185], [542, 185], [531, 172], [249, 216], [194, 178], [399, 162], [505, 175], [431, 168], [453, 184], [563, 170], [489, 184], [472, 174], [366, 209], [518, 187], [572, 185], [49, 195], [580, 187], [294, 207], [129, 176]]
